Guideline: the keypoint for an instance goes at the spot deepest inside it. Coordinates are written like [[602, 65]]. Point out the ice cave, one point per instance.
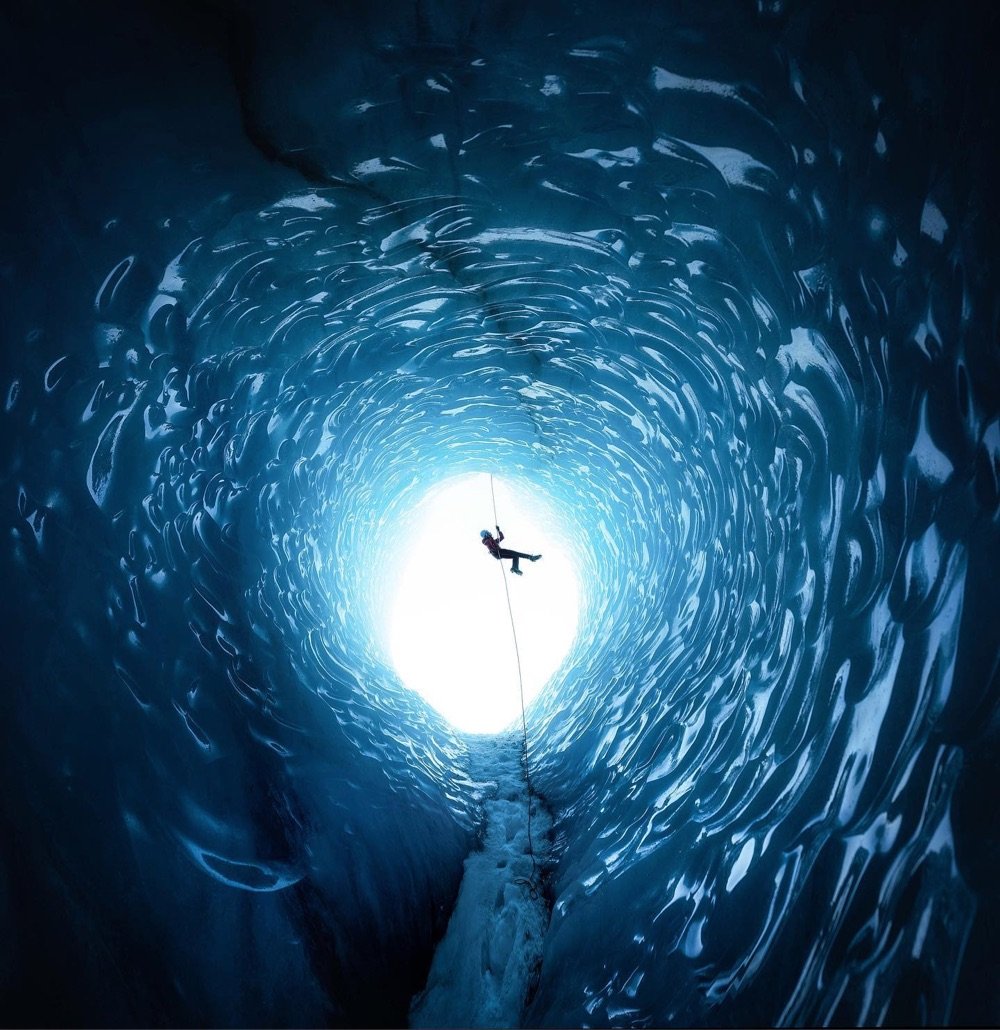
[[697, 300]]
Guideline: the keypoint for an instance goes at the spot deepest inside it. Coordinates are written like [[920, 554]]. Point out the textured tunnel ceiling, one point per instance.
[[717, 283]]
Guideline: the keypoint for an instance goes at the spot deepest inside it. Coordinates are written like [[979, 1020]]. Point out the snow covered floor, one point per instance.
[[491, 952]]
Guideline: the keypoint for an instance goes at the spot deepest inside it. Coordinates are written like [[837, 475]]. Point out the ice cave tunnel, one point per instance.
[[710, 289]]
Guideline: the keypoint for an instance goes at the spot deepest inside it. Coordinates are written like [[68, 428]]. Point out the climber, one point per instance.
[[493, 546]]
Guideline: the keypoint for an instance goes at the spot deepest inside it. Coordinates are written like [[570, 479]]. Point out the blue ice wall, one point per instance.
[[719, 282]]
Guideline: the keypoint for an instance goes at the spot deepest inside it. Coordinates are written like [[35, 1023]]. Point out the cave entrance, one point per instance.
[[448, 630]]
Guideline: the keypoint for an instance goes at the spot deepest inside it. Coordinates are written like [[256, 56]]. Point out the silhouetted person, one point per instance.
[[492, 544]]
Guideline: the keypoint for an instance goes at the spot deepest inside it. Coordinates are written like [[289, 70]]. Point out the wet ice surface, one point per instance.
[[720, 283], [489, 959]]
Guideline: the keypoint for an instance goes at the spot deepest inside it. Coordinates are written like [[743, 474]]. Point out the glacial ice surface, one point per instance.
[[719, 282], [487, 964]]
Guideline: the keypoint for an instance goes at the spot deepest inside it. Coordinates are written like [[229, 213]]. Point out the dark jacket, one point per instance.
[[493, 544]]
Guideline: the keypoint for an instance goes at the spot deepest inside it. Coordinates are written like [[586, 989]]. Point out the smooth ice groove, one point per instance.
[[711, 287]]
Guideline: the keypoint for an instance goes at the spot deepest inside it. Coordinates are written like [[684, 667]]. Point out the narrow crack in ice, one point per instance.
[[489, 958]]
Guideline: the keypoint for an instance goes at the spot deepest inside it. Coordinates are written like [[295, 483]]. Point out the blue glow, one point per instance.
[[711, 289]]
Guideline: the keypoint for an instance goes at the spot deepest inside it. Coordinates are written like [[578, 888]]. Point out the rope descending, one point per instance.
[[531, 882]]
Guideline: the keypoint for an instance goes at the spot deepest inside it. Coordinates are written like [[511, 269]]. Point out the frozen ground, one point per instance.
[[491, 952]]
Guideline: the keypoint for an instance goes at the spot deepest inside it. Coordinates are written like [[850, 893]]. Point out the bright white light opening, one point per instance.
[[448, 628]]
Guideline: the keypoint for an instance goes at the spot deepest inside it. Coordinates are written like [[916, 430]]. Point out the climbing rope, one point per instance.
[[530, 883]]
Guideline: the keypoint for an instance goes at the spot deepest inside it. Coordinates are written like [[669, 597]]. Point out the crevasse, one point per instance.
[[716, 281]]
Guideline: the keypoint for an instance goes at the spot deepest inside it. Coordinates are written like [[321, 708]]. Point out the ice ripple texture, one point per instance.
[[687, 292]]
